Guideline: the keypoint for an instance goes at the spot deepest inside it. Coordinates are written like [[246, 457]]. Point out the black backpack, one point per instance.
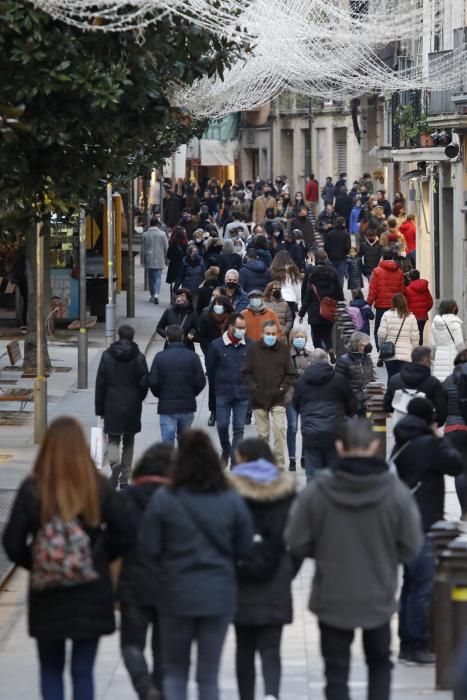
[[268, 548]]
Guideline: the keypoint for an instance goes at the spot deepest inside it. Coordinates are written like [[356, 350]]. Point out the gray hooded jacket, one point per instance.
[[358, 522]]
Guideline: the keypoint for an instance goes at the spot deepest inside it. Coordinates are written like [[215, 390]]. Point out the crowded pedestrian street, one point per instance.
[[301, 657], [233, 349]]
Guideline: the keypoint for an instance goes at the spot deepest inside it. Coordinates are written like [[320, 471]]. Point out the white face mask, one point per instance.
[[256, 303], [218, 309]]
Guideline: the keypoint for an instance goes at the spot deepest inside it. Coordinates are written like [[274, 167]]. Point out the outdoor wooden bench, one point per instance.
[[20, 394]]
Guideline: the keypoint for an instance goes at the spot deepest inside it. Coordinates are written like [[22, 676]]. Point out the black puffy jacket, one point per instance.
[[322, 398], [422, 465], [121, 387], [180, 315], [357, 368], [326, 281], [176, 378], [267, 602], [450, 386], [416, 376]]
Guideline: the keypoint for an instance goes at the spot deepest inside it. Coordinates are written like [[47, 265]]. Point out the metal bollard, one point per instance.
[[451, 610], [440, 622]]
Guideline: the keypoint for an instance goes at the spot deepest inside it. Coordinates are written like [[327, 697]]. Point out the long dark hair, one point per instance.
[[197, 465]]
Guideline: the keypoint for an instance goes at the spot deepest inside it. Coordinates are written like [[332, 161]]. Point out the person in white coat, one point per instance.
[[287, 273], [446, 338], [399, 326]]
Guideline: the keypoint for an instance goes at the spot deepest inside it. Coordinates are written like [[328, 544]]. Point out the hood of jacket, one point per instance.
[[359, 303], [439, 322], [124, 350], [194, 260], [256, 265], [318, 373], [356, 482], [262, 481], [409, 428], [413, 374], [389, 265], [419, 286]]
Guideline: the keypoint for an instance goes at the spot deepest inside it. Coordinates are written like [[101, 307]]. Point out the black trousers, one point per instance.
[[267, 641], [421, 328], [335, 648], [136, 619], [378, 316], [322, 335]]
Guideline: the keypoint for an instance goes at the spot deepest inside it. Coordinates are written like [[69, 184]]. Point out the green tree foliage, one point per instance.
[[88, 104]]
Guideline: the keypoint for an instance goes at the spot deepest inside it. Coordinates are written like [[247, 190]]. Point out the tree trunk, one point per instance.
[[30, 345]]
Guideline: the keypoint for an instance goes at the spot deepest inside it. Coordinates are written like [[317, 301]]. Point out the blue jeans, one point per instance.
[[292, 423], [415, 600], [154, 281], [317, 458], [174, 424], [340, 269], [52, 664], [224, 408], [178, 634]]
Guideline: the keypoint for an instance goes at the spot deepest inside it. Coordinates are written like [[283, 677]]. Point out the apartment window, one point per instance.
[[340, 150]]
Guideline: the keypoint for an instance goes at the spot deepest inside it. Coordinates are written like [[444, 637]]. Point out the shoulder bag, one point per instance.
[[388, 348], [449, 331], [327, 306]]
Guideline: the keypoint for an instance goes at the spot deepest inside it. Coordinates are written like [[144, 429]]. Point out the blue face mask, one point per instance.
[[299, 343], [256, 303], [218, 309], [270, 340]]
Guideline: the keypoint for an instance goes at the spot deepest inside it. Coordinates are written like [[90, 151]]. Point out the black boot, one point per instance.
[[248, 418], [302, 462], [212, 419], [113, 478], [292, 465]]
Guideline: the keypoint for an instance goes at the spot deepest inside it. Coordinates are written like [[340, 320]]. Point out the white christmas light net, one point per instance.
[[321, 48]]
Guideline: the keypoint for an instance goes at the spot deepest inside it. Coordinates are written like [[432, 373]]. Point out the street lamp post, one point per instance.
[[110, 306], [83, 331], [130, 285], [40, 382]]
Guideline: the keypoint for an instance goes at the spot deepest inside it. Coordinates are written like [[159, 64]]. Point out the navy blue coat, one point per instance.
[[224, 366], [192, 273], [195, 540], [254, 275], [176, 378]]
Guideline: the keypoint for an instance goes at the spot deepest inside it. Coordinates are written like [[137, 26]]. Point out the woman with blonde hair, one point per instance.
[[287, 273], [65, 528], [398, 332]]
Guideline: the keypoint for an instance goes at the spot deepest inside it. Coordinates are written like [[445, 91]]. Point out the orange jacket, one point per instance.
[[255, 321]]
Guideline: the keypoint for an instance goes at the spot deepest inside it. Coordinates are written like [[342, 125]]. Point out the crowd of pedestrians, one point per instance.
[[209, 537]]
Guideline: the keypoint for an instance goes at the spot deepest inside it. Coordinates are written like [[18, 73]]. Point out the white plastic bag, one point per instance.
[[98, 444]]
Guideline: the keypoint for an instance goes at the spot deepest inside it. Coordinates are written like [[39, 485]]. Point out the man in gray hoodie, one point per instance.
[[358, 522]]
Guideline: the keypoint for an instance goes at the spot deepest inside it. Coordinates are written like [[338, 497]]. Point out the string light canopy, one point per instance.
[[315, 47]]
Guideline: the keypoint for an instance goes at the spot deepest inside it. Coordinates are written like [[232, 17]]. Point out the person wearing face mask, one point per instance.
[[370, 252], [224, 361], [256, 314], [213, 322], [262, 204], [273, 300], [269, 373], [181, 314], [192, 273], [301, 359], [357, 367], [234, 291], [254, 274], [198, 241], [303, 223], [229, 259], [277, 238], [260, 243]]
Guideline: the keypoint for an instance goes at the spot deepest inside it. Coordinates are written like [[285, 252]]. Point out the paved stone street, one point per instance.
[[302, 672]]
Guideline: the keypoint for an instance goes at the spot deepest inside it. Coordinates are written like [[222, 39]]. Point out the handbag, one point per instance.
[[388, 348], [98, 444], [327, 306]]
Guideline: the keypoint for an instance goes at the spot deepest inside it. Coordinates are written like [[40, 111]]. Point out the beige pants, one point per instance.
[[275, 417]]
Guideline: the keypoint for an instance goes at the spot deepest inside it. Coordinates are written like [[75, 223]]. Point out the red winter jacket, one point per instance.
[[386, 280], [409, 231], [419, 299]]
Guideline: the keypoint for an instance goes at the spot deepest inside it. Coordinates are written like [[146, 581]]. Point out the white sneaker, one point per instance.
[[270, 697]]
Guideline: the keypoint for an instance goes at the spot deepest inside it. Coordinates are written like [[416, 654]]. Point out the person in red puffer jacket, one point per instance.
[[386, 280], [419, 300], [409, 231]]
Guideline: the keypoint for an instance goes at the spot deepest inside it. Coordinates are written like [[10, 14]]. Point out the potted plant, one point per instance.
[[413, 127]]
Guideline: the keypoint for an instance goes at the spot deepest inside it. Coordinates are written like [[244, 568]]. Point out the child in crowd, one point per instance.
[[353, 270], [359, 302]]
